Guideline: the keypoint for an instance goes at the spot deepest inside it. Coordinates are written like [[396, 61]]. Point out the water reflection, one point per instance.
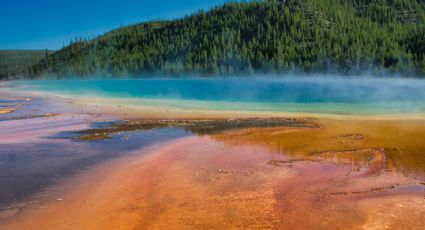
[[29, 168], [369, 147]]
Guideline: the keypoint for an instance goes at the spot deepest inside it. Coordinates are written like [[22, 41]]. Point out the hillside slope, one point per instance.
[[347, 36], [15, 63]]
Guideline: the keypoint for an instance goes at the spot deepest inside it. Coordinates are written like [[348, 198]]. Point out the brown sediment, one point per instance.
[[357, 137], [277, 162], [378, 189], [291, 162], [31, 116], [94, 137], [399, 143], [7, 110], [375, 166], [197, 126]]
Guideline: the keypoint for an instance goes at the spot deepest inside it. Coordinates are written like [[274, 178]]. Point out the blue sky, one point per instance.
[[41, 24]]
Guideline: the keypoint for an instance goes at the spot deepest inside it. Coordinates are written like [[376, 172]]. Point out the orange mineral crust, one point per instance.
[[343, 175]]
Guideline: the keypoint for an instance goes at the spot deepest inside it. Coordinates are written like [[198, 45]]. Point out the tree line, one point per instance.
[[273, 36]]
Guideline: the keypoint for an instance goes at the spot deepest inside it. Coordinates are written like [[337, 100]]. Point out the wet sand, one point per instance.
[[340, 174]]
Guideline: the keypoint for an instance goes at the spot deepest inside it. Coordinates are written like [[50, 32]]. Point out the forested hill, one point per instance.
[[15, 63], [347, 36]]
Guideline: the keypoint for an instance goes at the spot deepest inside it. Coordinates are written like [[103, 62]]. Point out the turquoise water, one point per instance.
[[311, 95]]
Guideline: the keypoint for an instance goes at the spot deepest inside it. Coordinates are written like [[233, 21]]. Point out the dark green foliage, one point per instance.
[[14, 63], [345, 36]]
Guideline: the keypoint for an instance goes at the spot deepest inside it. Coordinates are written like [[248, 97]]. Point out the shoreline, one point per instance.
[[121, 109]]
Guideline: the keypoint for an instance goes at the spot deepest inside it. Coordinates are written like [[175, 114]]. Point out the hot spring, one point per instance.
[[356, 96]]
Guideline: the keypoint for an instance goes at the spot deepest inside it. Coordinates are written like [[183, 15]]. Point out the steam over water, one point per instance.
[[313, 95]]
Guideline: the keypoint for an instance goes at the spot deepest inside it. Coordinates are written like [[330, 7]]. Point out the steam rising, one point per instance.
[[301, 94]]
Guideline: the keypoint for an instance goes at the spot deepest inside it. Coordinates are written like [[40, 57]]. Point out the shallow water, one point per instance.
[[218, 174], [28, 168], [311, 95]]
